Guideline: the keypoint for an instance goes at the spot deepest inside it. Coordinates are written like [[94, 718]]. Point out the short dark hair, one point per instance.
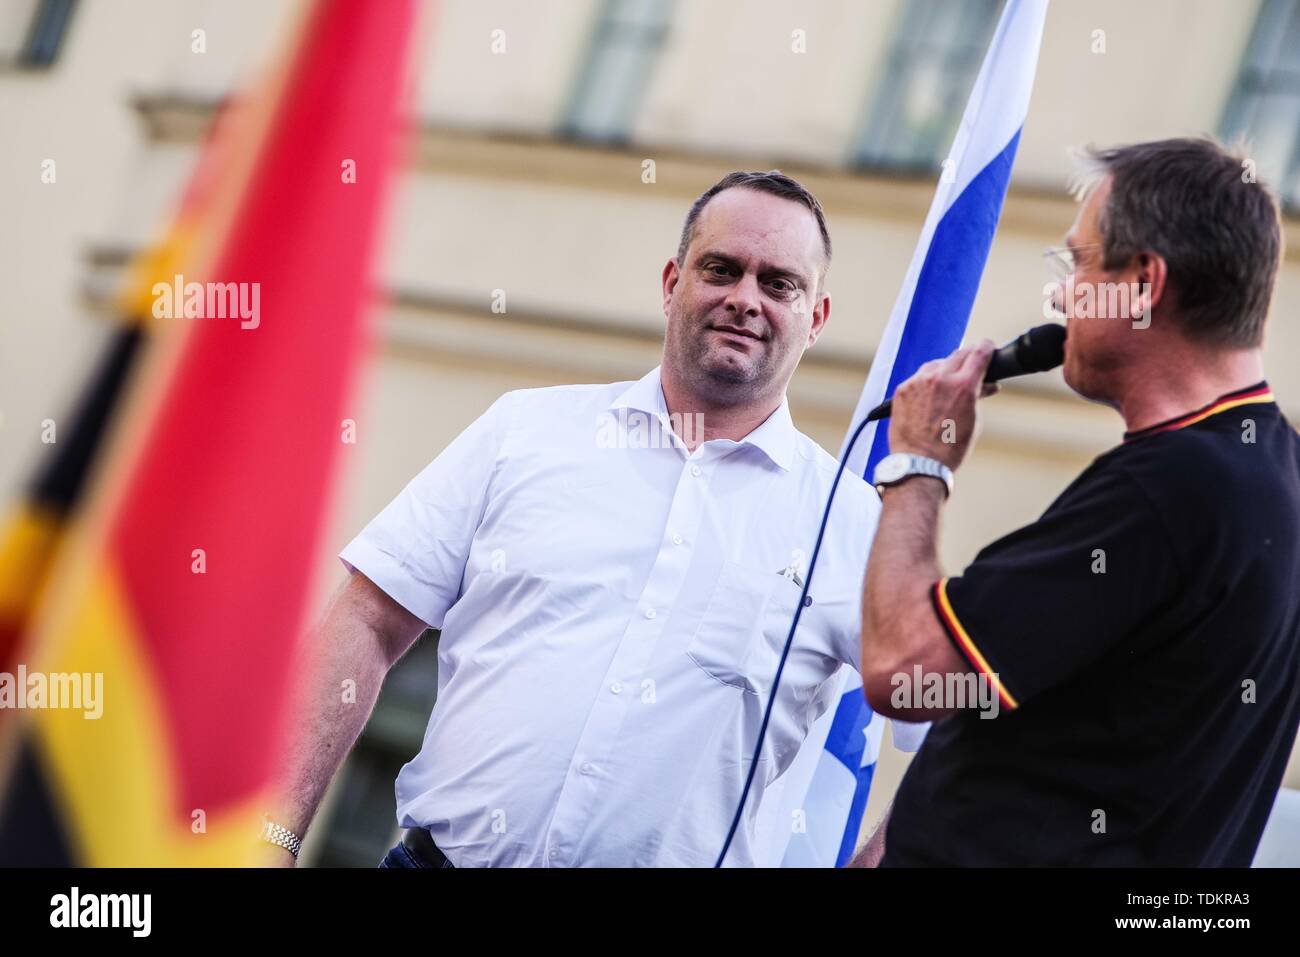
[[1197, 204], [774, 182]]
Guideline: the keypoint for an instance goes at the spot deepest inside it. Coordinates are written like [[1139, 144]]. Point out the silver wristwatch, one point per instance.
[[280, 836], [896, 466]]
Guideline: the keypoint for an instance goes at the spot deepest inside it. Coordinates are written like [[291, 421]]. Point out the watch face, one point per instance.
[[891, 468]]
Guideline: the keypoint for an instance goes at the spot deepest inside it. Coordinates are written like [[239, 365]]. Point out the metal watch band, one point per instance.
[[281, 836], [925, 466]]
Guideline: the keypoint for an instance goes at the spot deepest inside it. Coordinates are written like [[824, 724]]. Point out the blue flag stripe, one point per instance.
[[928, 321], [949, 280]]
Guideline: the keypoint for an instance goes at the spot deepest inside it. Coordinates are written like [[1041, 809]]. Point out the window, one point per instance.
[[620, 59], [926, 80], [1264, 109], [31, 31]]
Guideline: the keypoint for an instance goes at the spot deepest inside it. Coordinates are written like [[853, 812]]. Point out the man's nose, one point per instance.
[[744, 298]]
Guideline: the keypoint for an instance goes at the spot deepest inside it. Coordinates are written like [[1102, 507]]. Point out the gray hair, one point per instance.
[[1193, 202]]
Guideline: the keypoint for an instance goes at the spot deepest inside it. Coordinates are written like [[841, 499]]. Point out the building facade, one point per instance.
[[558, 147]]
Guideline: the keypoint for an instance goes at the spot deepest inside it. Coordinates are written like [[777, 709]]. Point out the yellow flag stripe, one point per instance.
[[112, 774], [26, 548]]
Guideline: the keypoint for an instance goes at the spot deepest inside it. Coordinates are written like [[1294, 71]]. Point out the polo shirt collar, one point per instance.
[[775, 436]]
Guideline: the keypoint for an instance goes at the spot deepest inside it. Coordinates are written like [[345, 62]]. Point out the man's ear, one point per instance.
[[670, 277], [1153, 275], [821, 314]]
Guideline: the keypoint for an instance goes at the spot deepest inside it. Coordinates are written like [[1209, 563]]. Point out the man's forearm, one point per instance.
[[350, 659], [934, 415], [902, 565]]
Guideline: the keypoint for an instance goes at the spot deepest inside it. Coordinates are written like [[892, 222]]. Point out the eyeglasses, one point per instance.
[[1062, 261]]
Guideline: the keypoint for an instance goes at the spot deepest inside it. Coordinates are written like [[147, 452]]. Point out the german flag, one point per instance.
[[35, 533], [32, 535], [186, 584]]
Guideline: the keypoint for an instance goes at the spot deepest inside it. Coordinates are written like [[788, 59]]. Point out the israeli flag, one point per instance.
[[813, 818]]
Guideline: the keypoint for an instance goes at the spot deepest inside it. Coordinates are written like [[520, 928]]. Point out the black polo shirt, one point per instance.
[[1144, 635]]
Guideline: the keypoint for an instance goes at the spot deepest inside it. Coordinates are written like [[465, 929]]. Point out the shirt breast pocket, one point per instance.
[[739, 638]]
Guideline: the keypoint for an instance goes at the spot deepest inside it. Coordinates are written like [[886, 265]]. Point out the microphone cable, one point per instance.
[[785, 652]]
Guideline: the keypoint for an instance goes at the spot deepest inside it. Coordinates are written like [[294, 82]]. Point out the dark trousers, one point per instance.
[[415, 849]]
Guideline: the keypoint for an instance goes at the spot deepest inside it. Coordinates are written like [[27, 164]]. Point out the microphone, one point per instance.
[[1041, 349]]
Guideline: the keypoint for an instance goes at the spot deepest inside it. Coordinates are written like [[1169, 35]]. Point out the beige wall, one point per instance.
[[572, 234]]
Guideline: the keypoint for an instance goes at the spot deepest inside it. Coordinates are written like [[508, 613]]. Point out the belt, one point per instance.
[[419, 842]]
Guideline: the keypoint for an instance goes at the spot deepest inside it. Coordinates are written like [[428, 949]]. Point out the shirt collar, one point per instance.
[[1259, 392], [775, 436]]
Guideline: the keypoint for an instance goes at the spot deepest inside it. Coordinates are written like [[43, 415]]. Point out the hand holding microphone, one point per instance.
[[933, 412], [1041, 349]]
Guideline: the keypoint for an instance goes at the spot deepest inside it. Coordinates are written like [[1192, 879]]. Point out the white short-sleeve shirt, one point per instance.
[[612, 609]]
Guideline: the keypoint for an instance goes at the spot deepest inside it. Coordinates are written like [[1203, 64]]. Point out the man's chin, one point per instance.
[[1084, 385], [1076, 381], [730, 369]]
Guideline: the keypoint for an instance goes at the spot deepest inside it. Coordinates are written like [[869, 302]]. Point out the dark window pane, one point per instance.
[[620, 60], [1264, 110], [932, 64], [49, 26]]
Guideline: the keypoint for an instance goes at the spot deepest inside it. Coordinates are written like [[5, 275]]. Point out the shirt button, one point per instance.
[[695, 470], [554, 853], [616, 688], [586, 768], [650, 612], [677, 539]]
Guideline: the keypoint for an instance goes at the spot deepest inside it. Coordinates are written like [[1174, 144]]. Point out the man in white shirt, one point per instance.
[[614, 569]]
